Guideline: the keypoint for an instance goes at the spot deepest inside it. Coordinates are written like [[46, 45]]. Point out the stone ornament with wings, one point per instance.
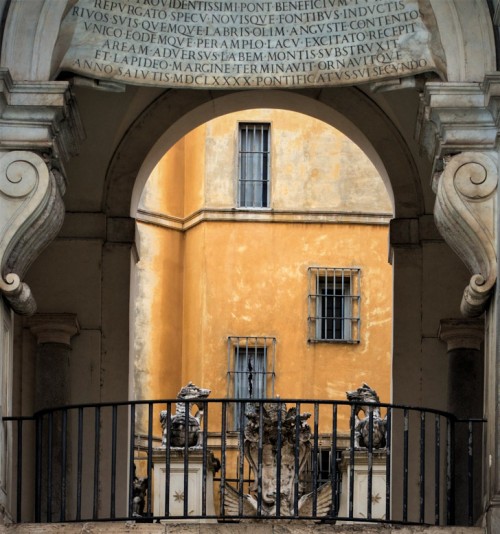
[[295, 446]]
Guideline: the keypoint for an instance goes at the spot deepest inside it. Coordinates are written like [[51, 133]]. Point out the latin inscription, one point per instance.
[[270, 44]]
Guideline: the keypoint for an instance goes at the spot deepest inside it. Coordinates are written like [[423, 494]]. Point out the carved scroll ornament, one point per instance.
[[464, 213], [31, 214]]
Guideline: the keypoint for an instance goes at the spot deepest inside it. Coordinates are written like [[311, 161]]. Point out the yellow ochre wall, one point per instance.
[[209, 270]]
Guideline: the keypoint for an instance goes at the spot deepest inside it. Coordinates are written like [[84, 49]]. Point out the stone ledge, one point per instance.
[[226, 528]]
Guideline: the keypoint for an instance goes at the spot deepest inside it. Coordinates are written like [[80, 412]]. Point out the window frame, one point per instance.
[[338, 289], [244, 184], [237, 345]]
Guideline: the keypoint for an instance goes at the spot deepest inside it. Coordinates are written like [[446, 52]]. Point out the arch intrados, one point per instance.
[[175, 113], [254, 100]]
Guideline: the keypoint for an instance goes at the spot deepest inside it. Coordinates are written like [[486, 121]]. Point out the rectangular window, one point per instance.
[[334, 304], [253, 182], [250, 369]]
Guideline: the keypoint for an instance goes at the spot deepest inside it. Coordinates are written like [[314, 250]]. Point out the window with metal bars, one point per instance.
[[253, 181], [250, 369], [334, 304]]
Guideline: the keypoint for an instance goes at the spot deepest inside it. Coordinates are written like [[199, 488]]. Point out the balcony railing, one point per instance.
[[282, 459]]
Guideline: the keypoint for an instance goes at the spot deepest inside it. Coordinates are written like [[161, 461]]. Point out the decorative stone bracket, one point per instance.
[[465, 214], [32, 213], [458, 127], [39, 126]]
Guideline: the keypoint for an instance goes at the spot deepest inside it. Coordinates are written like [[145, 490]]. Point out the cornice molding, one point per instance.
[[54, 327], [461, 333], [259, 216]]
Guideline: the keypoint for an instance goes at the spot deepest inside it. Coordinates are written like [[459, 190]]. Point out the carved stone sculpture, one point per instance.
[[48, 131], [32, 213], [140, 487], [193, 393], [293, 441], [368, 397], [465, 200]]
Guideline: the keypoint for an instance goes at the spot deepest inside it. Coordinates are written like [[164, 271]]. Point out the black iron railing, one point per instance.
[[93, 463]]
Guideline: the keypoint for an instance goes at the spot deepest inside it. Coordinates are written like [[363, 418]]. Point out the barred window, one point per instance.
[[334, 304], [250, 369], [253, 183]]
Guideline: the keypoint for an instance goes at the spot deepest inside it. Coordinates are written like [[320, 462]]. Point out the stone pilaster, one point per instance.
[[464, 338], [53, 333]]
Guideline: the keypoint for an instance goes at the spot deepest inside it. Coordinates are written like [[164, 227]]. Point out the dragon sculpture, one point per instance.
[[195, 395], [368, 403]]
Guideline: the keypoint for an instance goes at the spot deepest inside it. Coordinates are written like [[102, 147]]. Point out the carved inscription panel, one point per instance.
[[249, 43]]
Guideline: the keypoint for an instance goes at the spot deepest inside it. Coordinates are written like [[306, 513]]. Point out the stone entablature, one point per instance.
[[312, 43]]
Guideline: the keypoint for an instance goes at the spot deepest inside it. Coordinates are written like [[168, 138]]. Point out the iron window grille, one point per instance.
[[334, 304], [253, 181], [251, 374]]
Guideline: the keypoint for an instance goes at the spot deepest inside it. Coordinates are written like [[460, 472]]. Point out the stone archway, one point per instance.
[[176, 112], [426, 271]]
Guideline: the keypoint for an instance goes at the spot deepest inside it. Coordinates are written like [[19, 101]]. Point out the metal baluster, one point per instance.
[[241, 459], [64, 454], [19, 486], [50, 425], [185, 512], [422, 466], [450, 472], [204, 460], [150, 457], [80, 465], [97, 445], [259, 459], [369, 494], [405, 465], [351, 462], [315, 460], [113, 460], [333, 463], [297, 461], [470, 474], [131, 465], [223, 458], [38, 469], [388, 451], [437, 470], [279, 443], [168, 438]]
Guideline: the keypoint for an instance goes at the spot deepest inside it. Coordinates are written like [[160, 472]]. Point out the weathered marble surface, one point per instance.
[[211, 44]]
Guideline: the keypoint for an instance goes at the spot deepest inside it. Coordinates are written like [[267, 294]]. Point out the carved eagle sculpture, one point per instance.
[[277, 425], [236, 504], [368, 400]]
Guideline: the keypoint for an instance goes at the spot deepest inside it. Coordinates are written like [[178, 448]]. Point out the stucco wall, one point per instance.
[[200, 283]]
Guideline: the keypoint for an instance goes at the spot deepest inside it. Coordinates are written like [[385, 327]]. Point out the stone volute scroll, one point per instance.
[[464, 213], [32, 213], [41, 129]]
